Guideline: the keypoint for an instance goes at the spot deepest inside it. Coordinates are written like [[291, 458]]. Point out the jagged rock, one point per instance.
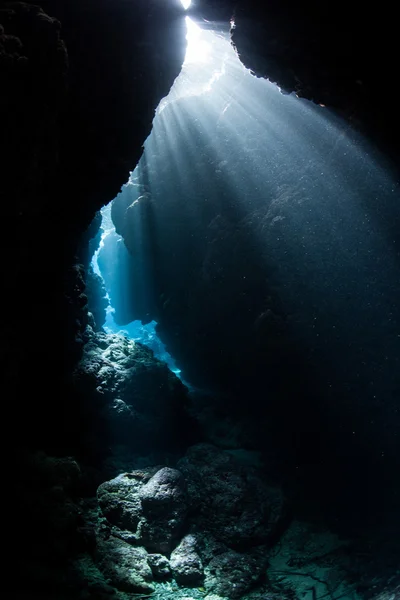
[[186, 564], [125, 566], [159, 566], [232, 574], [164, 504], [232, 503]]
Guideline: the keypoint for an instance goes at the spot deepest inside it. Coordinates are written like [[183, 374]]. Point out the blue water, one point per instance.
[[313, 199], [145, 334]]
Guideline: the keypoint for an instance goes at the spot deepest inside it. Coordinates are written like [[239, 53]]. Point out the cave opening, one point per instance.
[[227, 146], [111, 262], [252, 248]]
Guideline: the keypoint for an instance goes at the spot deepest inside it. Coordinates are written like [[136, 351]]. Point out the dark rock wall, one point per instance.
[[79, 86], [341, 55]]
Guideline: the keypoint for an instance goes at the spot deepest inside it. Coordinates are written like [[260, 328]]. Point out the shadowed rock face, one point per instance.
[[152, 511], [342, 56], [80, 82]]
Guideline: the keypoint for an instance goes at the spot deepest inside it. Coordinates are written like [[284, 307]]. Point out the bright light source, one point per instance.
[[186, 3], [198, 50]]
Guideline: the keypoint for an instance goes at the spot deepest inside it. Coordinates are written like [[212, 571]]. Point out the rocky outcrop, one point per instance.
[[151, 507], [131, 399], [189, 521], [135, 408], [80, 83]]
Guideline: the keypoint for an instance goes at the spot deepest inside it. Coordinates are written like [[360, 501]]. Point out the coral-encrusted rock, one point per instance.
[[232, 503], [164, 506], [186, 564], [232, 574], [125, 566], [159, 566]]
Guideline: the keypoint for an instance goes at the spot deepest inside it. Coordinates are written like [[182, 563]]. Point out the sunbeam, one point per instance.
[[227, 150]]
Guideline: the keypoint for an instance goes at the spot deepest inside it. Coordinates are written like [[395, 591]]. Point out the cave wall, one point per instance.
[[80, 83]]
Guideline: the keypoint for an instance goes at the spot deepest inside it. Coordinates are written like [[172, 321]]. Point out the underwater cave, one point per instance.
[[204, 383]]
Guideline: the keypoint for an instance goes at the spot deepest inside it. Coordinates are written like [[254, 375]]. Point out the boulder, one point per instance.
[[146, 507], [119, 501], [186, 564], [164, 505]]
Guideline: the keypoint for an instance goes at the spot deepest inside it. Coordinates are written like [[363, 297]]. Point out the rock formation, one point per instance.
[[79, 83]]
